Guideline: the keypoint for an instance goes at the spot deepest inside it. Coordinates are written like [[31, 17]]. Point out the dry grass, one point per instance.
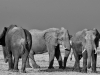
[[42, 60]]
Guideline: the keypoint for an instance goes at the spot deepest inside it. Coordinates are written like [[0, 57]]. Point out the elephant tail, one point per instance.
[[71, 58], [28, 41], [71, 54]]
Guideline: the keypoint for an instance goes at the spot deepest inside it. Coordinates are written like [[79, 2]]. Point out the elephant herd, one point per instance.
[[18, 42]]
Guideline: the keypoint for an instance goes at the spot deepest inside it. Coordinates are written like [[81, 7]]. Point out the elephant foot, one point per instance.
[[15, 70], [77, 69], [10, 69], [64, 67], [93, 71], [61, 67], [28, 66], [84, 71], [23, 71], [50, 67], [36, 66]]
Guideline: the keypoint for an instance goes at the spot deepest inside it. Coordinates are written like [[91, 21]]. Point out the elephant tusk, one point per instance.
[[95, 50], [83, 51]]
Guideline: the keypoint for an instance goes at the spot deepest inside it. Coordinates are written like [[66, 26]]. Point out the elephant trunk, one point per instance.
[[90, 46], [89, 59], [89, 53]]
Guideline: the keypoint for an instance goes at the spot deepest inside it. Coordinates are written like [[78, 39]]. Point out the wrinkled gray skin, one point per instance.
[[16, 43], [84, 45], [48, 41]]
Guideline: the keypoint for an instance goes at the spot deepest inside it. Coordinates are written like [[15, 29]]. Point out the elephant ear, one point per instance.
[[4, 32], [79, 36], [2, 36], [70, 36], [97, 34], [51, 38]]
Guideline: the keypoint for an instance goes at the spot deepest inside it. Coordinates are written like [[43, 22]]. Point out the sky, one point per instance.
[[73, 15]]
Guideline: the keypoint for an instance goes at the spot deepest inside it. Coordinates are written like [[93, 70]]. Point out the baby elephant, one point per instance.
[[16, 41]]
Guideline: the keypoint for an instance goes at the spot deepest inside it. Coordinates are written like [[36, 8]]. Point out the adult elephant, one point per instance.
[[84, 44], [16, 42], [48, 41]]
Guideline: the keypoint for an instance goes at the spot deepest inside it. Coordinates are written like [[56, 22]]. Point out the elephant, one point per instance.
[[49, 40], [16, 42], [84, 44]]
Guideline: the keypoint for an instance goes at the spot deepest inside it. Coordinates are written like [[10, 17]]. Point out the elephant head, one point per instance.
[[89, 45], [60, 36], [64, 38]]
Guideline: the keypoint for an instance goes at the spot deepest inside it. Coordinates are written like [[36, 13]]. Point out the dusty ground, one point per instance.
[[42, 60]]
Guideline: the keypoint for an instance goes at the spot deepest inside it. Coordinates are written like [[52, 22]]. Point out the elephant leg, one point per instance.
[[27, 63], [58, 56], [79, 57], [94, 59], [10, 62], [31, 56], [24, 59], [67, 52], [51, 59], [5, 55], [77, 62], [84, 62], [16, 60]]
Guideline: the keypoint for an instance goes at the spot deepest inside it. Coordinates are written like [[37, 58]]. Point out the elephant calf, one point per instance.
[[16, 41]]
